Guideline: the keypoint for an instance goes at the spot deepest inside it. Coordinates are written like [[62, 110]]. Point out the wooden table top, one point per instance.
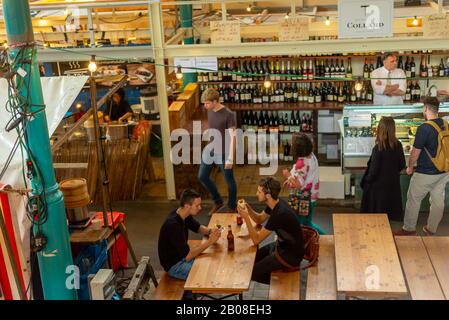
[[367, 262], [89, 235], [438, 250], [218, 271]]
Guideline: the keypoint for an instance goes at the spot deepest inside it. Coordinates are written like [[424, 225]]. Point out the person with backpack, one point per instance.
[[431, 153]]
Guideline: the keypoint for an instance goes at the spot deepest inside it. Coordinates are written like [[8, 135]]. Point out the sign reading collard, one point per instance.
[[365, 19]]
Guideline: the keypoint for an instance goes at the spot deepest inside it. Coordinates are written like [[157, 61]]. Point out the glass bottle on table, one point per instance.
[[230, 238]]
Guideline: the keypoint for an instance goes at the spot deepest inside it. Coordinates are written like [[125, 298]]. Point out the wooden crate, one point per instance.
[[178, 115], [195, 90], [188, 98]]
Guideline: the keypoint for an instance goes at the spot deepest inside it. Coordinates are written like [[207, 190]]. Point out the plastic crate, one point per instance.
[[89, 261]]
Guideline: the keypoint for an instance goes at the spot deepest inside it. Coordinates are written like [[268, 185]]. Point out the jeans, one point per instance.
[[181, 269], [265, 263], [420, 186], [207, 164]]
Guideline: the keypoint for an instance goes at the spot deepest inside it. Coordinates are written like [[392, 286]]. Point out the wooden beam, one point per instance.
[[100, 102], [180, 35], [70, 165]]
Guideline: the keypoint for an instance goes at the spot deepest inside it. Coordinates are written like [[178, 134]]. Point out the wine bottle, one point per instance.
[[327, 73], [408, 91], [366, 73], [412, 68], [423, 68], [311, 97], [441, 68], [408, 70], [379, 62], [349, 69]]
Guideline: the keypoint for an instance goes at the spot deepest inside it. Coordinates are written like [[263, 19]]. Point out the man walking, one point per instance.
[[426, 178], [222, 124]]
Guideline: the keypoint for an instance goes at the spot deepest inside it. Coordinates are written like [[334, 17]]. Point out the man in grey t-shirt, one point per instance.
[[220, 151]]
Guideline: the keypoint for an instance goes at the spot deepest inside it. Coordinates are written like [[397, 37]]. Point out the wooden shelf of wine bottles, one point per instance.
[[305, 106], [339, 55]]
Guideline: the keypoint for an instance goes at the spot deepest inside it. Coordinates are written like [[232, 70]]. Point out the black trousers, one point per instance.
[[265, 263]]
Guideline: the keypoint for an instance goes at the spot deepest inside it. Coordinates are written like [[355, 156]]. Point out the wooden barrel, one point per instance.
[[75, 192]]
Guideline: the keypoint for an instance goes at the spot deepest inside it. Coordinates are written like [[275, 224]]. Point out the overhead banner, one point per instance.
[[294, 29], [365, 19], [227, 32], [436, 26]]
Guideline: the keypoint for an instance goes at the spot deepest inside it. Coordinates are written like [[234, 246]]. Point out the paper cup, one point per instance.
[[96, 224]]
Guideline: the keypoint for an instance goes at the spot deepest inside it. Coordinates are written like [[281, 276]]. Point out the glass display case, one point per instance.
[[359, 125]]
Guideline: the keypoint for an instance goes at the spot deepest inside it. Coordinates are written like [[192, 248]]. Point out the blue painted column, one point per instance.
[[56, 255]]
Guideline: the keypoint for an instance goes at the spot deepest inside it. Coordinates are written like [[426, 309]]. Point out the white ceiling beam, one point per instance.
[[307, 47]]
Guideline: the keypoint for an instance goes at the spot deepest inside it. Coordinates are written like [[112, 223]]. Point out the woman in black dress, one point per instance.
[[381, 181]]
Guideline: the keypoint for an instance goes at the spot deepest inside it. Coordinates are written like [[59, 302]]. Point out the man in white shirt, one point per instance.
[[388, 82]]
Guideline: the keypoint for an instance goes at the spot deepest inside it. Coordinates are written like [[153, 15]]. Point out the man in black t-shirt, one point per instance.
[[426, 177], [175, 255], [288, 250]]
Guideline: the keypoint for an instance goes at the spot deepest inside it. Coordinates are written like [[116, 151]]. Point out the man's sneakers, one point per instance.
[[427, 232], [403, 232], [215, 208]]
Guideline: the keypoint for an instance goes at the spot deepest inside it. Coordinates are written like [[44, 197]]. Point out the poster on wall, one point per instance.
[[141, 74], [365, 19]]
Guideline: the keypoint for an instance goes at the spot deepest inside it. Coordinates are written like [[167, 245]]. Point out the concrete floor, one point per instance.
[[144, 218]]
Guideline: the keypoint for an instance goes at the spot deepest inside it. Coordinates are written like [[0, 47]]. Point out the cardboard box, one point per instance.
[[332, 151], [332, 183], [325, 124]]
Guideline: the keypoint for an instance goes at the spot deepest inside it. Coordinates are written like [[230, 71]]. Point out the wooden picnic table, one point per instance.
[[218, 271], [367, 262], [438, 250], [422, 280]]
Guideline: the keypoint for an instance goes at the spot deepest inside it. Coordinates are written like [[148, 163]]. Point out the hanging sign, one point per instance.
[[294, 29], [185, 63], [208, 63], [225, 32], [365, 19], [436, 26]]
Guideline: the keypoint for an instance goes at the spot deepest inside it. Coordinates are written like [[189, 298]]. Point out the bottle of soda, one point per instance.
[[230, 239], [239, 220]]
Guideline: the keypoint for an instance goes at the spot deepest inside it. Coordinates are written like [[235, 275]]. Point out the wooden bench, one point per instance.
[[170, 288], [321, 278], [422, 281], [285, 285]]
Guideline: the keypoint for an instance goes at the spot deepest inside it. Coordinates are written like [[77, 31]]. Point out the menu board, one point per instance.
[[294, 29], [225, 32], [436, 26]]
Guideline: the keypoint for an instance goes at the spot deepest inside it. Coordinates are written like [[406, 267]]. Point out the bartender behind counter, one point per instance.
[[389, 82], [118, 109]]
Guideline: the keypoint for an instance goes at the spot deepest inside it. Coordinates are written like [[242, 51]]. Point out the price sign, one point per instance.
[[294, 29], [225, 32], [436, 26]]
